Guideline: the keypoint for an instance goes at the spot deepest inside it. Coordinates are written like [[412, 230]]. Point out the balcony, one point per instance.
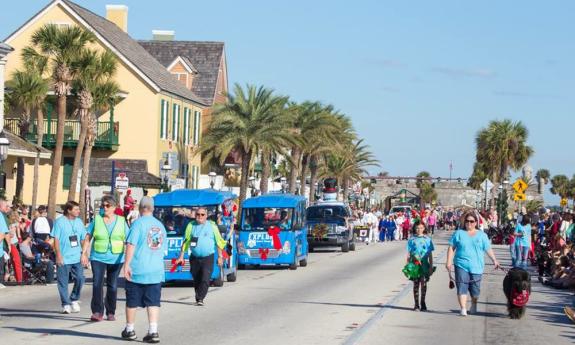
[[106, 139]]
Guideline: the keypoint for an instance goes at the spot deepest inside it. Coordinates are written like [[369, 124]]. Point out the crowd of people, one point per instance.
[[43, 249]]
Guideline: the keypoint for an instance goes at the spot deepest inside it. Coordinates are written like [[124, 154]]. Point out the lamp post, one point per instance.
[[212, 175], [165, 169], [252, 185], [283, 181]]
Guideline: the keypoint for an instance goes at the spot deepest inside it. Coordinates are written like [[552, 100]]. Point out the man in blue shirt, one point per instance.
[[68, 234], [3, 232], [144, 270], [202, 236]]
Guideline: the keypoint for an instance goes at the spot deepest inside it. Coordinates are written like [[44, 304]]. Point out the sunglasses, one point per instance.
[[107, 205], [200, 214], [469, 221]]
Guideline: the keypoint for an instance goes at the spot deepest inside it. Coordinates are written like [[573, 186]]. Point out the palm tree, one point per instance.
[[542, 176], [560, 185], [28, 92], [427, 193], [501, 146], [61, 46], [103, 95], [93, 69], [249, 120]]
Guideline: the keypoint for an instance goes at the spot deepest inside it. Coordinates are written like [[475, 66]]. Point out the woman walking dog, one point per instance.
[[466, 251]]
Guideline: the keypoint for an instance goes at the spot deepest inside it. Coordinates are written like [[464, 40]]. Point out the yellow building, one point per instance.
[[158, 119]]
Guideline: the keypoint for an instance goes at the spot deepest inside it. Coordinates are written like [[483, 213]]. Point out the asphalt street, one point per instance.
[[340, 298]]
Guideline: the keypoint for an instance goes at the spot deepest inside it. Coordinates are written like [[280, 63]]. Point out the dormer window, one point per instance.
[[183, 70]]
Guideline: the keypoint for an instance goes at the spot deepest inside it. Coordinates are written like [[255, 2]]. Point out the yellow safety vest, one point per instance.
[[104, 241]]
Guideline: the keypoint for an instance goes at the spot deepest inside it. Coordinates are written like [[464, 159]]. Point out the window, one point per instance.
[[186, 126], [67, 176], [176, 122], [164, 120], [197, 121]]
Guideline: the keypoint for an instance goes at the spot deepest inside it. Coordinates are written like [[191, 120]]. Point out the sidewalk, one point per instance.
[[544, 322]]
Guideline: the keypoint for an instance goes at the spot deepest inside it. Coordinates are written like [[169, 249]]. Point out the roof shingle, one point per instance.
[[206, 57], [136, 170], [136, 54]]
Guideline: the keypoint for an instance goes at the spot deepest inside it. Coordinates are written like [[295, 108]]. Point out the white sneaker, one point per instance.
[[463, 312], [75, 307], [473, 309], [66, 309], [2, 286]]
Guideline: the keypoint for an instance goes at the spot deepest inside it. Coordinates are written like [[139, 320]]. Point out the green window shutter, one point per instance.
[[162, 115], [67, 176], [174, 122], [185, 125]]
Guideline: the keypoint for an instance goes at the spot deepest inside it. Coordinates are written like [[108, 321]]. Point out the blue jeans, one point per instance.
[[467, 282], [520, 256], [111, 271], [63, 276]]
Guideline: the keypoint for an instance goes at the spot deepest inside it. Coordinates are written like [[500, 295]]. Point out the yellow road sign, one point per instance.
[[520, 186], [519, 197], [563, 202]]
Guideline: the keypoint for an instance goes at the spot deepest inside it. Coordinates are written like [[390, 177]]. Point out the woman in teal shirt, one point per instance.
[[467, 249]]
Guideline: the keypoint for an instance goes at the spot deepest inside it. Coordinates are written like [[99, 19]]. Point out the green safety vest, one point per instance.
[[103, 240], [220, 242]]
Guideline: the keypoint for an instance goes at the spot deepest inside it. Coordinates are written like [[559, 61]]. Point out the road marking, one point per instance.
[[356, 336]]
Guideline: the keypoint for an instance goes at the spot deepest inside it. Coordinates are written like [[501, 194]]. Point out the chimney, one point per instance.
[[118, 14], [163, 35]]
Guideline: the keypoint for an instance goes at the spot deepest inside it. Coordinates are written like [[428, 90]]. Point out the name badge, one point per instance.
[[193, 242], [73, 241]]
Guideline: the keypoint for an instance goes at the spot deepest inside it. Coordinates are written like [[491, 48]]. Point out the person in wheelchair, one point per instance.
[[37, 262]]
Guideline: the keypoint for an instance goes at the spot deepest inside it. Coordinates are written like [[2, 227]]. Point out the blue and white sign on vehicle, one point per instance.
[[259, 239]]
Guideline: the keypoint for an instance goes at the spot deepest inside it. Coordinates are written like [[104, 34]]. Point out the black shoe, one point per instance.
[[131, 335], [423, 306], [152, 338], [200, 303]]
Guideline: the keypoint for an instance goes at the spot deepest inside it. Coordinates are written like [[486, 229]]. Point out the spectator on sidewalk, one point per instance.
[[144, 270], [14, 239], [104, 249], [3, 235], [467, 248], [68, 234], [41, 226], [35, 260]]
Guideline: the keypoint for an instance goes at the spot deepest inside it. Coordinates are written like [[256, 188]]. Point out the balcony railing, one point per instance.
[[106, 138]]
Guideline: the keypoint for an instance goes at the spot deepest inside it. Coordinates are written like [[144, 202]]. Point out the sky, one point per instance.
[[418, 78]]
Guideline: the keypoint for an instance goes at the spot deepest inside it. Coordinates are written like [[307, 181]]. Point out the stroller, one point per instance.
[[39, 270]]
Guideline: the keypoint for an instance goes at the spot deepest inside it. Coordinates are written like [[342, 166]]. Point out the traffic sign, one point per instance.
[[520, 186], [563, 202], [519, 197], [486, 185]]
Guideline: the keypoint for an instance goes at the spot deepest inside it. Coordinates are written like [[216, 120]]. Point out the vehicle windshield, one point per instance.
[[175, 219], [318, 212], [260, 219], [399, 209]]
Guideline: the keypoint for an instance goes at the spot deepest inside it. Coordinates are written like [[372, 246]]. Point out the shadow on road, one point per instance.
[[51, 331]]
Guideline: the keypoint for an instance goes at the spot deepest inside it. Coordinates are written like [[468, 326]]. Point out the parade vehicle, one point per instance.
[[175, 210], [405, 209], [273, 232], [329, 221]]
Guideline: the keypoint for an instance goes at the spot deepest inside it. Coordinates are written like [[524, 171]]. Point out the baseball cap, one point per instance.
[[147, 202]]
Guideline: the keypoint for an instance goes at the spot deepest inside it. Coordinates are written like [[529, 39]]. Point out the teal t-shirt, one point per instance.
[[64, 229], [3, 230], [420, 247], [470, 251], [206, 240], [149, 238], [108, 257], [525, 240]]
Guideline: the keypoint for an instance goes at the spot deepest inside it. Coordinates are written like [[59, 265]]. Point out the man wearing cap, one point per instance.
[[144, 270]]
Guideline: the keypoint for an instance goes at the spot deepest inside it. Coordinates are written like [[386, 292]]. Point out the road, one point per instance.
[[355, 298]]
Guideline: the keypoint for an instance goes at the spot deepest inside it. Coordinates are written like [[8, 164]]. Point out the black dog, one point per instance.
[[517, 288]]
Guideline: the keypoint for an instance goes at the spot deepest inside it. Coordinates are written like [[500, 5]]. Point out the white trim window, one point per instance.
[[164, 119], [176, 123], [197, 122], [186, 126]]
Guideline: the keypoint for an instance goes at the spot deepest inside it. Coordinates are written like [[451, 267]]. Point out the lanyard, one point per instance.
[[72, 226]]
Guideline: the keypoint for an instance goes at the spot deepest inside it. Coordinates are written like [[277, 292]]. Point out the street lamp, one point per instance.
[[166, 167], [212, 175], [252, 185], [283, 181]]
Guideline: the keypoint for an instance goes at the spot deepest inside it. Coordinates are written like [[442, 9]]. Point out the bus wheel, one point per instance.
[[303, 263]]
